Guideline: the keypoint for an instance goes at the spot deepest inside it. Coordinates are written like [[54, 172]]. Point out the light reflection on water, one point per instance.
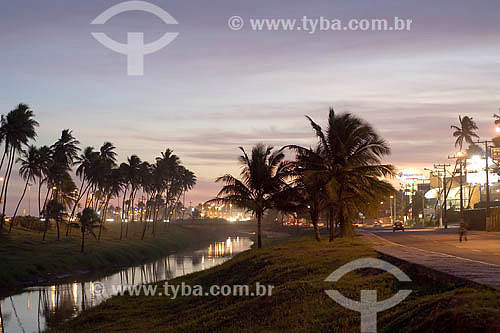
[[38, 308]]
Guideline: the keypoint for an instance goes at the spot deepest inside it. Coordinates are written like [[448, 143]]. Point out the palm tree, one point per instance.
[[17, 128], [112, 188], [309, 186], [262, 178], [465, 131], [149, 189], [53, 210], [88, 219], [188, 181], [86, 162], [348, 160], [44, 163], [131, 174], [168, 168], [64, 153], [29, 170]]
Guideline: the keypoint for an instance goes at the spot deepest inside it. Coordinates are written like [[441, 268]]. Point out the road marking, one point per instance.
[[440, 253]]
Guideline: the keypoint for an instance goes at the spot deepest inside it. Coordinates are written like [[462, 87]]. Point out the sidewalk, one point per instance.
[[466, 269]]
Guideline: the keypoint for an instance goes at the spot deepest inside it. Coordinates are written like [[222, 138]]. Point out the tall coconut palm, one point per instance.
[[44, 162], [263, 176], [131, 173], [348, 159], [88, 219], [86, 162], [64, 153], [112, 188], [18, 127], [53, 210], [148, 188], [29, 171], [188, 181], [309, 185], [465, 131], [168, 168]]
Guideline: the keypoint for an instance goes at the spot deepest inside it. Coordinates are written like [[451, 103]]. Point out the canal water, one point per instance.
[[38, 308]]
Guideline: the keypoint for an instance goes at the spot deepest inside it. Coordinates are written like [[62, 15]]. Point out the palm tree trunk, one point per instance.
[[259, 230], [17, 207], [123, 214], [80, 196], [154, 217], [121, 230], [183, 204], [46, 197], [46, 228], [5, 176], [313, 212], [330, 223], [4, 154], [316, 229], [103, 218], [346, 229], [1, 164], [39, 197], [58, 232], [7, 185], [145, 222], [126, 230], [83, 240]]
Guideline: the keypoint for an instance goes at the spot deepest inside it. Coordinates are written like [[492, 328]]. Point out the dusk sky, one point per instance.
[[214, 89]]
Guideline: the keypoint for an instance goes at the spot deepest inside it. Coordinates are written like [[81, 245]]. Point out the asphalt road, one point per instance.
[[481, 246]]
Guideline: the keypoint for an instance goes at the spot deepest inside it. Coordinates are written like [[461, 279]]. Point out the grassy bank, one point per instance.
[[297, 269], [25, 258]]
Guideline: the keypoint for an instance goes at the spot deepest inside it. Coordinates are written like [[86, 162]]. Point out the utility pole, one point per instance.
[[395, 206], [423, 204], [459, 156], [445, 193], [390, 205], [486, 151]]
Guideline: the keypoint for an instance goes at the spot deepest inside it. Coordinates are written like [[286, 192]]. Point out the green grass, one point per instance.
[[24, 257], [297, 269]]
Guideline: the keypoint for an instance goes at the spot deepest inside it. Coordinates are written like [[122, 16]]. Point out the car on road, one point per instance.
[[398, 225]]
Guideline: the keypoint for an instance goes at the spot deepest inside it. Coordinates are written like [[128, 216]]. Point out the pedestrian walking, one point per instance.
[[463, 230]]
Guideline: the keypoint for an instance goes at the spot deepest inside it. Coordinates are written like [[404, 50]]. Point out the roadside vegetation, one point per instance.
[[297, 270], [342, 176]]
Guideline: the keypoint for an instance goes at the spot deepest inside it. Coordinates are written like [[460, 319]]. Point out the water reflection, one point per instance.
[[39, 308]]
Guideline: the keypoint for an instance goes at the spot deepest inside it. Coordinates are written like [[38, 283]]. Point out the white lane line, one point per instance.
[[440, 253]]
